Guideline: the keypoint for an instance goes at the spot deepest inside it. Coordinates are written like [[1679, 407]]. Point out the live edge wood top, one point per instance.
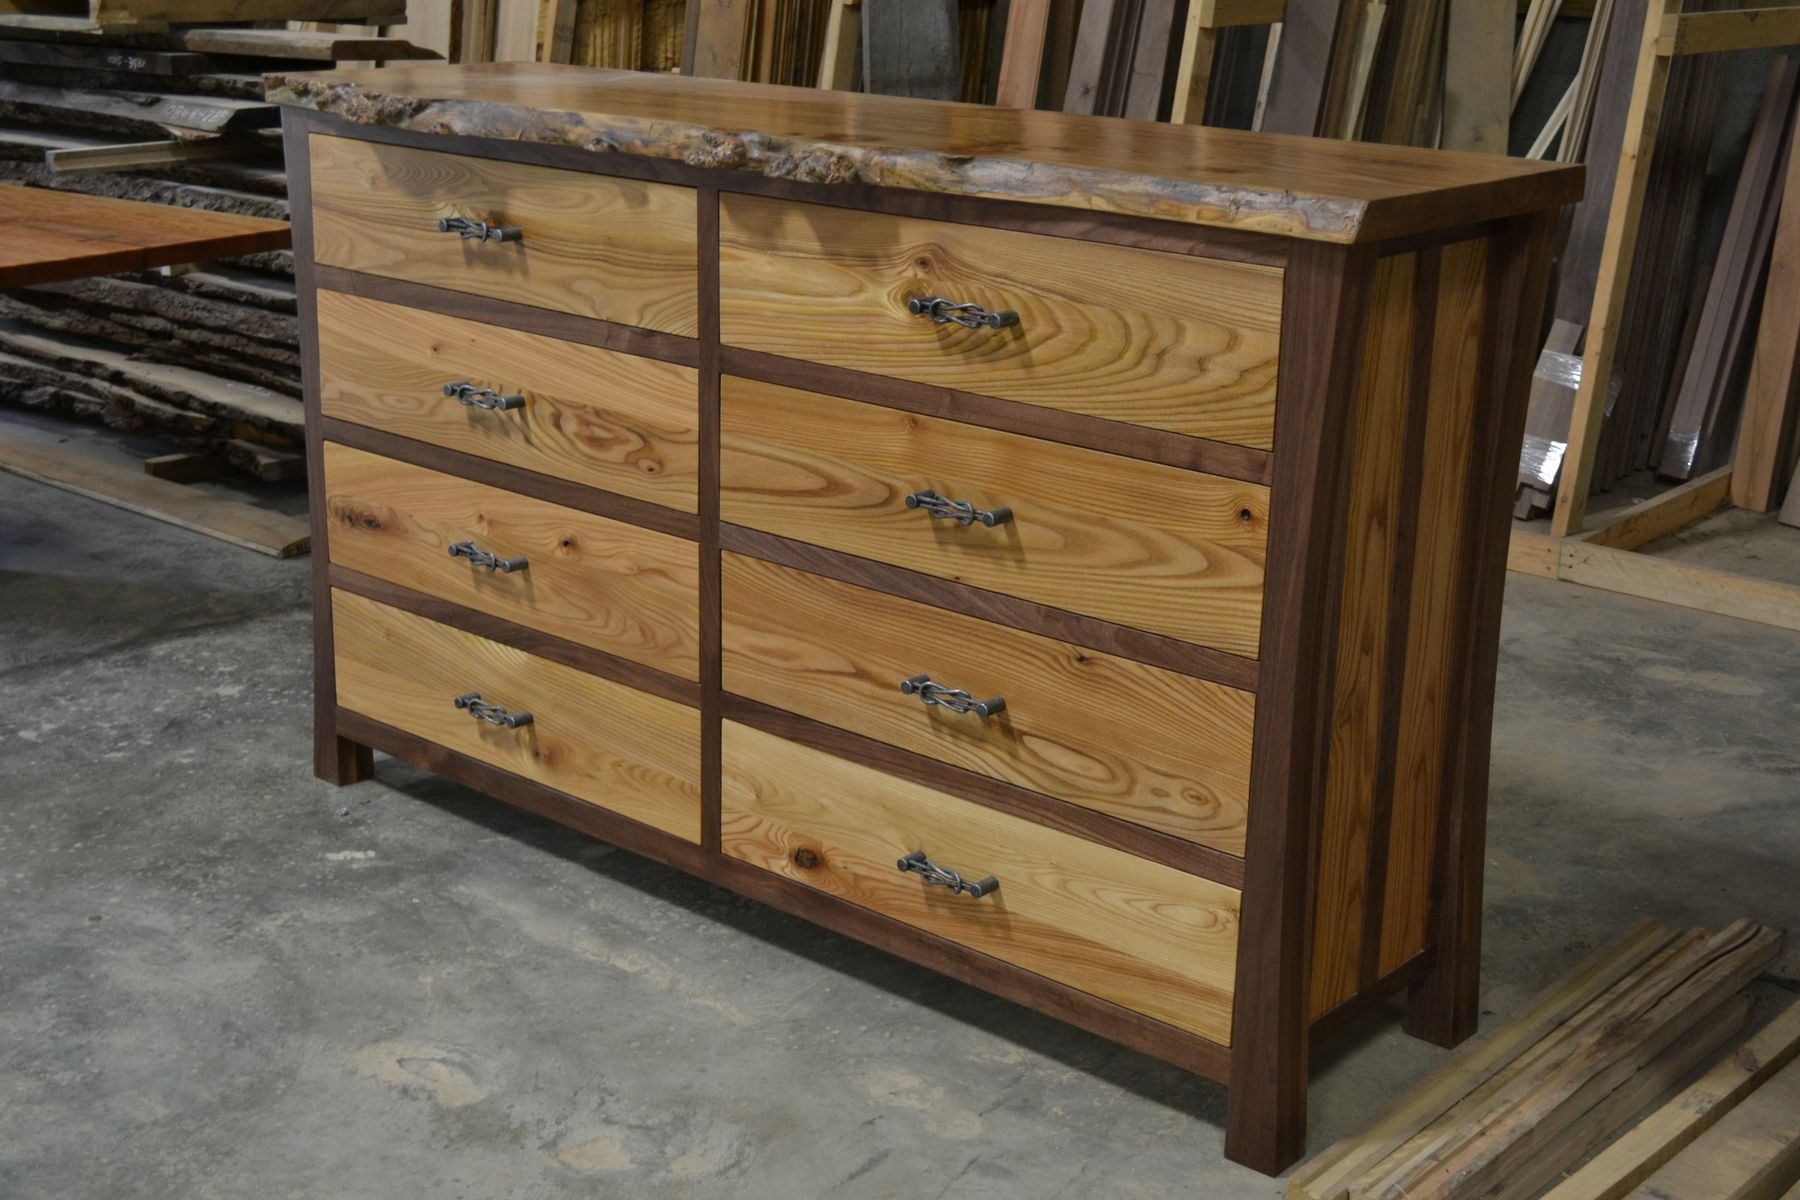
[[1299, 187]]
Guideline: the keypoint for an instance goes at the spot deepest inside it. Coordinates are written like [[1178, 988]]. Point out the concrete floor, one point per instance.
[[220, 978]]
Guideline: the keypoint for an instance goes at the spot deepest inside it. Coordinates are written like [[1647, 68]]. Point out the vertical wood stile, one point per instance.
[[1358, 720], [1444, 1007], [335, 759], [1325, 307]]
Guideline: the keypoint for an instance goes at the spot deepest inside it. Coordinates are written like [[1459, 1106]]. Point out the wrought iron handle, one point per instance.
[[956, 700], [960, 511], [969, 316], [487, 558], [470, 396], [493, 714], [918, 864], [480, 231]]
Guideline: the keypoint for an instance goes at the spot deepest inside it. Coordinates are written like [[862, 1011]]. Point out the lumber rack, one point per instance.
[[1605, 556]]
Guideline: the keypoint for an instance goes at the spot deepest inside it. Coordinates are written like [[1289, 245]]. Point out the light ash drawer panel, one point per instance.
[[1184, 344], [1154, 547], [593, 245], [1150, 746], [616, 587], [599, 741], [613, 421], [1142, 935]]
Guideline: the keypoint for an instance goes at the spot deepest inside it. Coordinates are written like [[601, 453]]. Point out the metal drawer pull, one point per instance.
[[954, 699], [969, 316], [493, 714], [480, 231], [918, 864], [960, 511], [487, 558], [470, 396]]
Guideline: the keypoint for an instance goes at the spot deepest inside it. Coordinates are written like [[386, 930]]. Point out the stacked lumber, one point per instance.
[[206, 355], [1509, 1114]]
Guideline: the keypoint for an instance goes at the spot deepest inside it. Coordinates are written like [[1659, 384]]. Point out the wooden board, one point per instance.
[[47, 236], [591, 738], [1079, 725], [1632, 1159], [146, 16], [1355, 790], [1200, 175], [114, 478], [1156, 940], [1765, 439], [1477, 103], [1178, 343], [619, 422], [1027, 23], [628, 591], [349, 44], [613, 249], [1751, 1153], [1153, 547], [202, 114], [1427, 705]]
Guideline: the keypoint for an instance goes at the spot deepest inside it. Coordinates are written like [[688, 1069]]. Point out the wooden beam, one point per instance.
[[1614, 276], [1644, 575], [1632, 1159], [556, 31], [1022, 56], [1227, 14], [1328, 1175], [132, 156], [1753, 1153], [843, 45], [1297, 80], [1193, 75], [1674, 509], [1532, 36], [1736, 29], [1772, 394]]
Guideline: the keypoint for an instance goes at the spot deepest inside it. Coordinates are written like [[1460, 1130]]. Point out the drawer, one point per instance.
[[1150, 746], [1155, 547], [1178, 343], [593, 245], [629, 591], [599, 741], [1140, 934], [612, 421]]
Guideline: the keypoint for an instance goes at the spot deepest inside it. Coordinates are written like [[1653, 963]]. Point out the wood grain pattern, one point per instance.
[[1153, 939], [608, 420], [1426, 708], [628, 591], [1188, 345], [1353, 784], [1168, 551], [612, 249], [599, 741], [48, 235], [1198, 175], [1159, 749]]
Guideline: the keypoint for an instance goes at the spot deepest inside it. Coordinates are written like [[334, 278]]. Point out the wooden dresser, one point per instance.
[[1064, 552]]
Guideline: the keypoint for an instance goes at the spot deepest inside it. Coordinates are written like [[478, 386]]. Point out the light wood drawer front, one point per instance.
[[1155, 547], [616, 587], [1140, 934], [596, 246], [599, 741], [1178, 343], [608, 420], [1150, 746]]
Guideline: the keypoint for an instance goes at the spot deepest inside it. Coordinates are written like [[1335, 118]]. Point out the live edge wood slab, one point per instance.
[[1208, 648], [1297, 187]]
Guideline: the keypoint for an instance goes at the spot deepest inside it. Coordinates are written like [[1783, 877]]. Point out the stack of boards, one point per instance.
[[205, 357], [1508, 1116]]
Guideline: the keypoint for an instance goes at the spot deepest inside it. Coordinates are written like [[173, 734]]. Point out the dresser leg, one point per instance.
[[1265, 1124], [338, 760]]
